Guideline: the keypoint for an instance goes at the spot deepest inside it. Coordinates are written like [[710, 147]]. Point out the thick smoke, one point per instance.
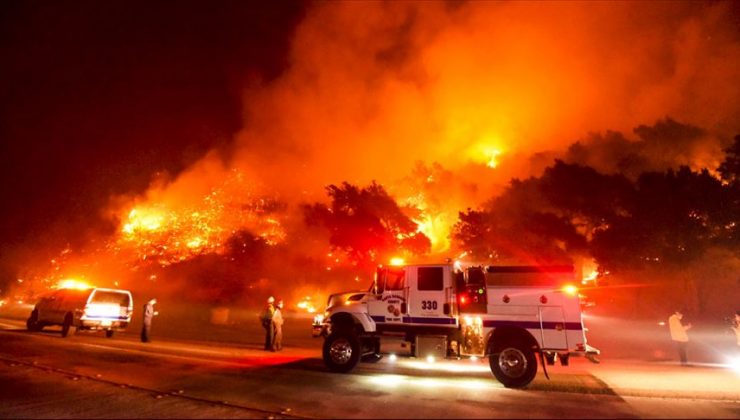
[[373, 88]]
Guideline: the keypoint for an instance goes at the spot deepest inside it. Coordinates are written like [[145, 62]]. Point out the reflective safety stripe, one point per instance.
[[418, 320], [532, 325]]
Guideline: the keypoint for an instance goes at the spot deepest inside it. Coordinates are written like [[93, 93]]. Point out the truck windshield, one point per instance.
[[104, 296]]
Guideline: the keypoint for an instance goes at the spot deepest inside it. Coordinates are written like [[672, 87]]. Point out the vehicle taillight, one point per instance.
[[463, 299]]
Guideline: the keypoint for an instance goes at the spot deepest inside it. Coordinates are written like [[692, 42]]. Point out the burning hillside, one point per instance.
[[167, 234]]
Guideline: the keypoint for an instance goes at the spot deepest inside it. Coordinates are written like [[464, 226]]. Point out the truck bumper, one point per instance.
[[588, 352], [103, 325]]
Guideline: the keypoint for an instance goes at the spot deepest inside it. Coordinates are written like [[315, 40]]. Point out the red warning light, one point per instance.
[[463, 299]]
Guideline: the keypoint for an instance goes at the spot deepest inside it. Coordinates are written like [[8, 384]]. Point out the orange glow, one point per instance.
[[73, 284], [306, 305], [396, 261], [434, 222], [170, 228], [570, 289]]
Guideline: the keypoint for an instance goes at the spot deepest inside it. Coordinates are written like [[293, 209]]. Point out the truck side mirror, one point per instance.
[[403, 308], [446, 308]]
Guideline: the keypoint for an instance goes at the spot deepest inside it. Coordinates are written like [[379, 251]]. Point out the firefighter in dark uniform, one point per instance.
[[146, 326], [266, 319]]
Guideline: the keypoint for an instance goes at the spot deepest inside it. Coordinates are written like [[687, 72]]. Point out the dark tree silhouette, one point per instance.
[[665, 218], [367, 223]]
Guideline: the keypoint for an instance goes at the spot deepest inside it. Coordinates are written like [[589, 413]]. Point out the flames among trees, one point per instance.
[[665, 218], [367, 223]]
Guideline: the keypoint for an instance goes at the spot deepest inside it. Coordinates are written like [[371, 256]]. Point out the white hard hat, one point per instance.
[[271, 300]]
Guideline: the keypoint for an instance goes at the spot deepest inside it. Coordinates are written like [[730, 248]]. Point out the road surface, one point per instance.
[[87, 375]]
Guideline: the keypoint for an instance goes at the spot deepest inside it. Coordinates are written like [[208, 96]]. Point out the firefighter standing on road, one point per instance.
[[266, 319], [146, 326], [277, 325], [736, 327], [678, 334]]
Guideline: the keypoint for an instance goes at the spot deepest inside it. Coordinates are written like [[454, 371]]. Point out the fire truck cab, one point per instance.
[[509, 313]]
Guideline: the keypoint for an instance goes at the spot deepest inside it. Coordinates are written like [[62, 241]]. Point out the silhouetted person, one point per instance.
[[146, 325], [679, 336], [266, 319], [736, 327], [277, 325]]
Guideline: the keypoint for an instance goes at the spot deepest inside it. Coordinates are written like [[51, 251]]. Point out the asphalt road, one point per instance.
[[88, 376]]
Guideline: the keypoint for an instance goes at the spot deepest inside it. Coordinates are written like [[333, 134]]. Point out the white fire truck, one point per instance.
[[510, 314]]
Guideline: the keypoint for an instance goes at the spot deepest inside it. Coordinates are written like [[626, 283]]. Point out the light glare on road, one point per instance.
[[445, 366], [394, 381]]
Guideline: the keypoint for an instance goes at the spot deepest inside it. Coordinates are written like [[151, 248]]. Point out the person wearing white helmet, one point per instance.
[[266, 319], [277, 325]]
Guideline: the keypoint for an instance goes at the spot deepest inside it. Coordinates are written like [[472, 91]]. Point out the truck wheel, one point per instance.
[[66, 325], [341, 351], [514, 365], [109, 333], [32, 323]]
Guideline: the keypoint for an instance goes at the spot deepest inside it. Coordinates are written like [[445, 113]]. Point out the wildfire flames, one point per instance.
[[171, 234]]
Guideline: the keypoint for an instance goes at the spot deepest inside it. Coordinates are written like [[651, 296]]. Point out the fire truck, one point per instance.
[[510, 314]]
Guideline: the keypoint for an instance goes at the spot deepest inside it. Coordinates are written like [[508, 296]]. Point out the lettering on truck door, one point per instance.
[[428, 295], [387, 309]]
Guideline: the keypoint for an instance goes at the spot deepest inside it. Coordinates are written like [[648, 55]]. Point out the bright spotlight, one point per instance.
[[474, 359], [430, 359], [392, 357], [735, 364]]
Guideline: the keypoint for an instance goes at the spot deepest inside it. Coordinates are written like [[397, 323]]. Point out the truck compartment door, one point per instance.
[[428, 293], [552, 323]]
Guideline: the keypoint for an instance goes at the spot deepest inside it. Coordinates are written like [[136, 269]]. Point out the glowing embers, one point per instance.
[[229, 218], [142, 220]]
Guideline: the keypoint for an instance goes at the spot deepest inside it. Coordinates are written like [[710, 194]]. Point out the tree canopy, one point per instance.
[[367, 223]]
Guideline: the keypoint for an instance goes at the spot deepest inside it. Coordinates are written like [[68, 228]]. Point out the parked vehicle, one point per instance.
[[85, 309]]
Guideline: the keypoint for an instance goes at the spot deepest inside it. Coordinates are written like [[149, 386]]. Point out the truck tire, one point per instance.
[[513, 364], [32, 323], [66, 325], [341, 351]]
